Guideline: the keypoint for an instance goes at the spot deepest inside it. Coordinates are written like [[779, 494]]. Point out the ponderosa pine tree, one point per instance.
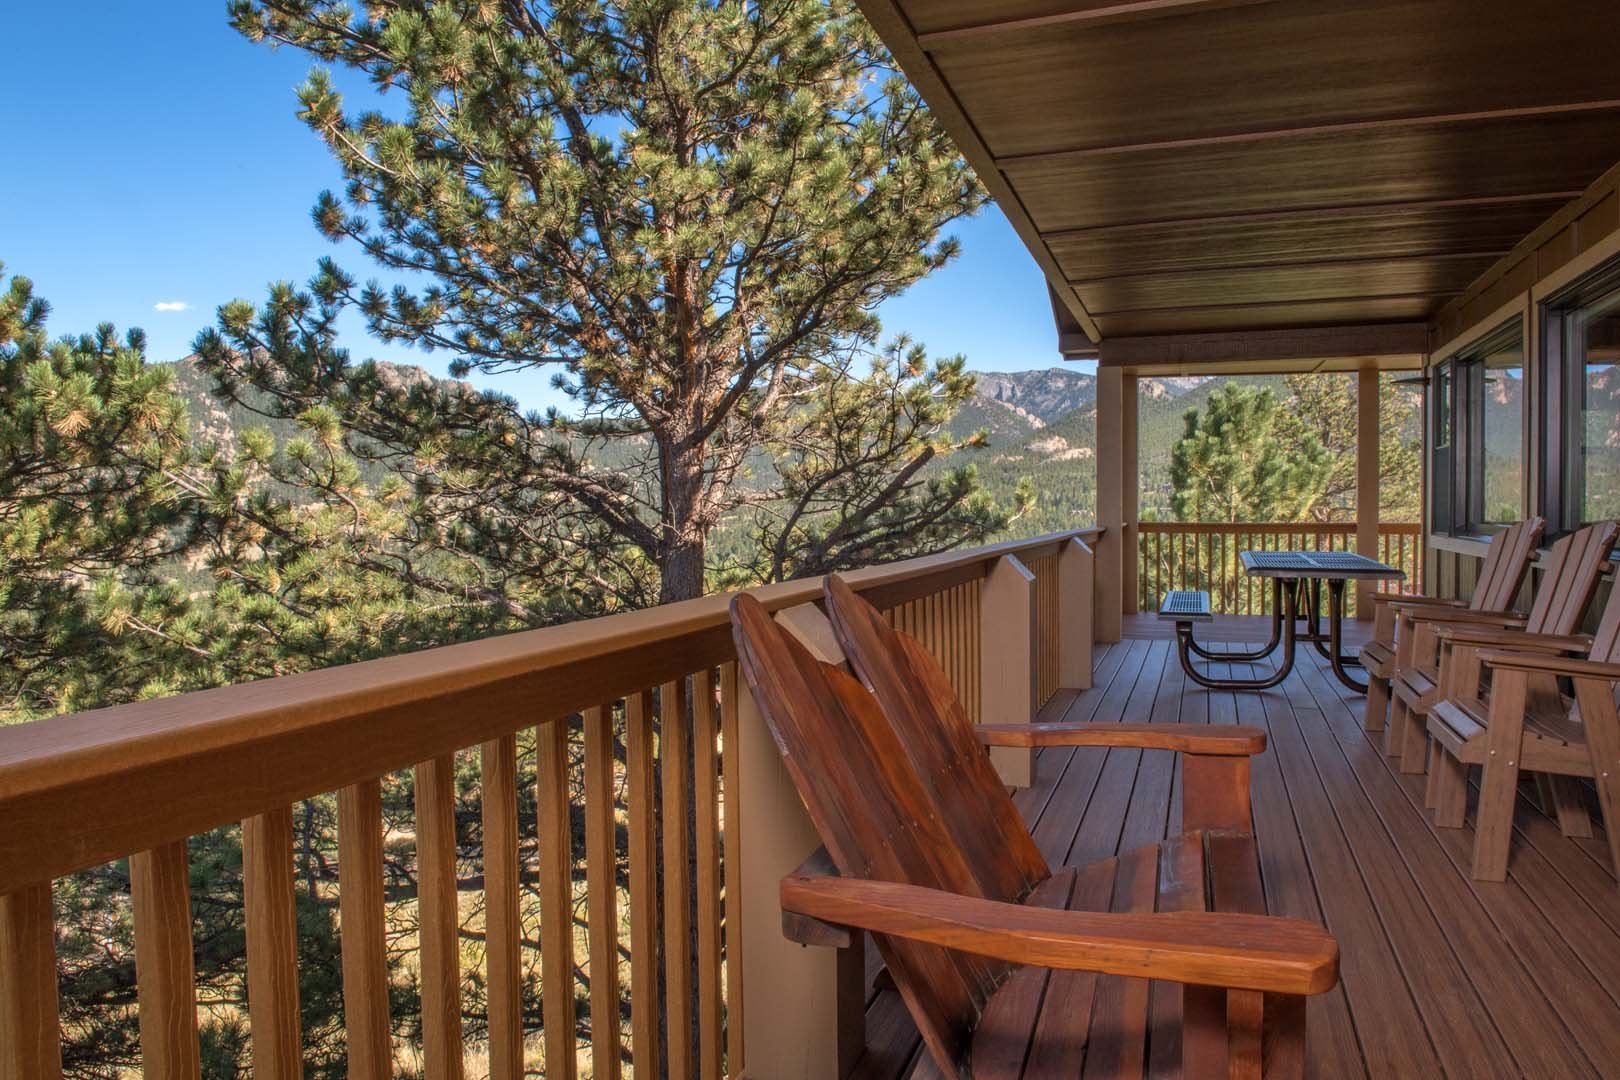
[[90, 442], [1230, 464], [687, 210], [1321, 409]]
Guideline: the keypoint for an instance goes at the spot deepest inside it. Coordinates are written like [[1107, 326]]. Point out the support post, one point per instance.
[[1111, 548], [804, 1019], [1131, 495], [1076, 633], [30, 1042], [1008, 655], [1367, 390]]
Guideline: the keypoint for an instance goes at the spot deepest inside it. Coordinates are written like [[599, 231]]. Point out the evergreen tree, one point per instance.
[[687, 210], [1322, 410], [1231, 465], [91, 444]]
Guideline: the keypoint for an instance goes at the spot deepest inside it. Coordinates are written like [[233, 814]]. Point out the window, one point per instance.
[[1496, 454], [1582, 331], [1440, 441], [1477, 462]]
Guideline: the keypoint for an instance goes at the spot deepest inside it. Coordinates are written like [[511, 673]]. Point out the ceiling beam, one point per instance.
[[1227, 268], [1338, 210], [1394, 123], [896, 31], [1312, 302], [1127, 11], [1410, 339]]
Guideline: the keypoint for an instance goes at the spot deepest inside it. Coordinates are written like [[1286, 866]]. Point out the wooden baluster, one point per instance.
[[30, 1040], [269, 909], [164, 976], [363, 931], [439, 917], [706, 792], [556, 898], [674, 757], [644, 1010], [602, 892], [731, 786], [502, 932]]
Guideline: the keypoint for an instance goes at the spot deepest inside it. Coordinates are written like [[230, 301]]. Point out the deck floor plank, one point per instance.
[[1442, 975], [1504, 940]]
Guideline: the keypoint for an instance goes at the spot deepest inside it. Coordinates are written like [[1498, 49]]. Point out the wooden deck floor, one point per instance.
[[1441, 975]]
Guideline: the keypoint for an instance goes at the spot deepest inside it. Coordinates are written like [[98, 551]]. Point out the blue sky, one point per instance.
[[155, 159]]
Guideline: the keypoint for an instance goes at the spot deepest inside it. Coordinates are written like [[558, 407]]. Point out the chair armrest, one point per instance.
[[1460, 634], [1432, 616], [1417, 601], [1571, 666], [1220, 740], [1244, 952]]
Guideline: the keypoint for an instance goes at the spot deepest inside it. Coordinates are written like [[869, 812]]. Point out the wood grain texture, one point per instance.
[[644, 992], [556, 898], [272, 945], [1255, 952], [708, 836], [502, 933], [674, 764], [602, 891], [164, 972], [967, 903], [731, 781], [134, 776], [363, 931], [439, 918], [30, 1041], [1225, 740]]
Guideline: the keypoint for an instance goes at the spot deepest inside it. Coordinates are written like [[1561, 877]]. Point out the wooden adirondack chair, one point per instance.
[[1506, 562], [1000, 961], [1522, 722], [1568, 579]]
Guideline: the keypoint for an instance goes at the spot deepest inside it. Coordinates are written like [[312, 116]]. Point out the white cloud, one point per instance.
[[170, 305]]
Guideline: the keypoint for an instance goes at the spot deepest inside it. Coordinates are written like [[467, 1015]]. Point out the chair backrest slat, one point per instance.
[[1569, 579], [1506, 563], [918, 698], [876, 815]]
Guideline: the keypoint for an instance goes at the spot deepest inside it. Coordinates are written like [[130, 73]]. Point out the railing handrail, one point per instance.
[[1302, 528], [82, 789]]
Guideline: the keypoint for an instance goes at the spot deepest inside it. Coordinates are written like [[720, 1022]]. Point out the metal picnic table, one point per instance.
[[1292, 573]]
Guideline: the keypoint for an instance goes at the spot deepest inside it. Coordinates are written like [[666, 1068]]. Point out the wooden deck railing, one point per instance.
[[1204, 556], [634, 725]]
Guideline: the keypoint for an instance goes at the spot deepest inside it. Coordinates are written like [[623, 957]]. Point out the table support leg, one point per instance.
[[1335, 635]]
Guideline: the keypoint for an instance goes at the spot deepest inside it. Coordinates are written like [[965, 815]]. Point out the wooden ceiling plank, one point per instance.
[[1226, 269], [1352, 127], [892, 26], [1090, 15], [1229, 72], [1301, 212], [1547, 158], [1191, 291], [1422, 295]]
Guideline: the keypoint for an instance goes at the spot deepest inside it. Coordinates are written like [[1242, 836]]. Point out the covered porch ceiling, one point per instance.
[[1203, 180]]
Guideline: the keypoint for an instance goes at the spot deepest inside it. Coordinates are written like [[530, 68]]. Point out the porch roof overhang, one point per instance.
[[1190, 172]]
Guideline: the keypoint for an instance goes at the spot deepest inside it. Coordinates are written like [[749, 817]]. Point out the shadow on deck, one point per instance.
[[1441, 975]]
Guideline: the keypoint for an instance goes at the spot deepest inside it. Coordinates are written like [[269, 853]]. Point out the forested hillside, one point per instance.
[[1039, 424]]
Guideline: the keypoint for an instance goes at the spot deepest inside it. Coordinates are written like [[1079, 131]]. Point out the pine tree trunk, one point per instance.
[[680, 563]]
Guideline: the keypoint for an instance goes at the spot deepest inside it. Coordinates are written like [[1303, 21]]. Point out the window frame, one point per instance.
[[1457, 468], [1563, 350]]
